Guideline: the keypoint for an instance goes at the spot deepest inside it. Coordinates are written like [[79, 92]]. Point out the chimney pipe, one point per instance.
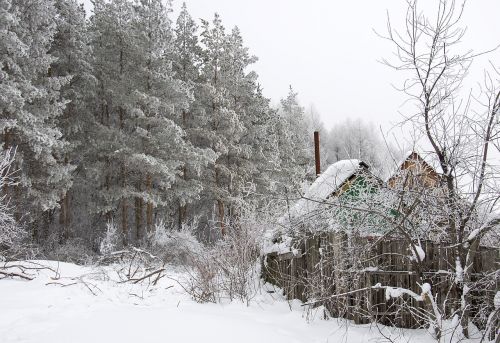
[[316, 153]]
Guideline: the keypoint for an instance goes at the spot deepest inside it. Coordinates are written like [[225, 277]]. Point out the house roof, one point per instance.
[[429, 165], [327, 183]]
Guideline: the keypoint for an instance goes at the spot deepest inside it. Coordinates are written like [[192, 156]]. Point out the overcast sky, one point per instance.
[[328, 52]]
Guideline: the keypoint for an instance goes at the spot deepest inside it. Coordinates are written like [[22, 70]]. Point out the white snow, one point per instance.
[[420, 253], [282, 247], [396, 292], [426, 288], [459, 271], [392, 292], [473, 234], [326, 184], [32, 311], [496, 301]]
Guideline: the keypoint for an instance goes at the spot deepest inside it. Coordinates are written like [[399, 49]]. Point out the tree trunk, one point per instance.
[[6, 145], [124, 222], [220, 205], [64, 213], [182, 215], [149, 206], [182, 208], [64, 216], [138, 219], [466, 300], [124, 208], [432, 317]]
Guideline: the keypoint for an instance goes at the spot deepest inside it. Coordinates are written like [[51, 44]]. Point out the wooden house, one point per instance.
[[345, 178], [414, 171]]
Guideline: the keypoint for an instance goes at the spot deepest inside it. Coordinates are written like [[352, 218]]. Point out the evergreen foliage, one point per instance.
[[130, 117]]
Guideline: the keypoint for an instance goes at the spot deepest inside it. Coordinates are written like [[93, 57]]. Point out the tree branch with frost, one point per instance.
[[460, 138], [10, 232]]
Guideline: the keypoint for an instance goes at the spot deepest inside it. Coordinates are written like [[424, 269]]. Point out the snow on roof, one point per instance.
[[326, 184]]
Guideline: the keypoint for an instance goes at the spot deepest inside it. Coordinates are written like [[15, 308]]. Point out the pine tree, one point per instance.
[[164, 151], [115, 68], [294, 145], [30, 104], [72, 51], [224, 126], [239, 123], [142, 101], [187, 58], [249, 157]]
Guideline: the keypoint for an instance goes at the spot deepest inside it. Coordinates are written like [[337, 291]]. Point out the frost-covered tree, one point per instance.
[[294, 143], [224, 127], [187, 52], [114, 67], [238, 121], [73, 56], [124, 117], [11, 232], [461, 135], [164, 152], [30, 106], [356, 139], [140, 101], [187, 60]]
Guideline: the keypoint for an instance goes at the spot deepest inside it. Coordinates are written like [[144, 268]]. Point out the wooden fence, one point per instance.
[[330, 264]]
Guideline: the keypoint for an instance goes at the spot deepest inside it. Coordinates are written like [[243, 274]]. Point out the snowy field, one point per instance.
[[38, 311]]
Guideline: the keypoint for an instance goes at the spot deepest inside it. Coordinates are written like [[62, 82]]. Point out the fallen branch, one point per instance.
[[9, 270], [77, 280], [6, 273], [157, 272]]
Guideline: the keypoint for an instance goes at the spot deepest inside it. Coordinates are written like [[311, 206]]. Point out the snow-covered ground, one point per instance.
[[34, 311]]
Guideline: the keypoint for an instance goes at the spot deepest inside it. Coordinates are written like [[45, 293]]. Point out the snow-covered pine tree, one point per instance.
[[115, 67], [294, 144], [249, 160], [238, 116], [164, 151], [30, 104], [73, 56], [187, 55], [187, 60], [224, 127]]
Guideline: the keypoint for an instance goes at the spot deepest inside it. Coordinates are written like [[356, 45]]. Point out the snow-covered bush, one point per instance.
[[11, 233], [72, 250], [229, 268], [174, 246], [112, 239]]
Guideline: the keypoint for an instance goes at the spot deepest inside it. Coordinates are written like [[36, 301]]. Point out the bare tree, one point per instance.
[[462, 133]]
